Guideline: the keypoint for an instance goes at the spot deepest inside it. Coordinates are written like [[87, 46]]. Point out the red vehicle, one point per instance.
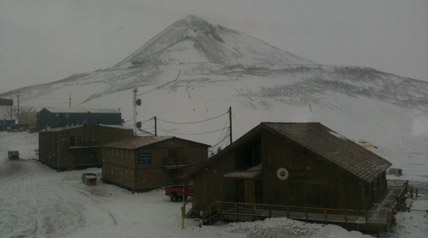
[[177, 192]]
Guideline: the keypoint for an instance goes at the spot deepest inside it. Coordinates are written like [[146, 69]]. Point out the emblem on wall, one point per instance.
[[282, 173]]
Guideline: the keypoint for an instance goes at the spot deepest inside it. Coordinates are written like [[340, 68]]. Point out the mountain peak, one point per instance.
[[194, 40], [194, 20]]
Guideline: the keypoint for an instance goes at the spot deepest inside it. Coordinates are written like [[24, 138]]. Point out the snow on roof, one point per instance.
[[337, 135], [136, 142], [81, 110], [78, 126]]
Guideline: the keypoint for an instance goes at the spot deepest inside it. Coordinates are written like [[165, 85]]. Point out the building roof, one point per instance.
[[78, 126], [80, 110], [134, 142], [333, 147]]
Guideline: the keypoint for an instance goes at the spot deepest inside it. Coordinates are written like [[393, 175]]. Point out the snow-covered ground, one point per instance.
[[37, 201], [192, 71]]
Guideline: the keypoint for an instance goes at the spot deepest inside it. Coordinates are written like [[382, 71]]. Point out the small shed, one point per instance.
[[147, 162], [52, 117], [296, 164]]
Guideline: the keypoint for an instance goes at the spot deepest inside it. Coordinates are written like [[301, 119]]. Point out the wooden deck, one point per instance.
[[351, 219], [378, 218]]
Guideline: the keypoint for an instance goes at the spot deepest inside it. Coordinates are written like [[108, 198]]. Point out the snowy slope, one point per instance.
[[214, 44], [194, 70]]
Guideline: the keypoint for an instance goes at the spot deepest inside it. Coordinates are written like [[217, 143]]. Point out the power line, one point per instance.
[[222, 134], [237, 123], [200, 133], [222, 140], [193, 122]]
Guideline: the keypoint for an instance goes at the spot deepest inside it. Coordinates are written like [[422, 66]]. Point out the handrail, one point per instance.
[[285, 206], [237, 210]]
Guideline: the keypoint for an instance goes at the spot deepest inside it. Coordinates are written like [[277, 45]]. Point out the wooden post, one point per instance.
[[183, 214], [236, 211], [270, 211], [366, 216], [210, 209], [288, 212], [306, 213], [325, 216], [346, 216], [254, 211], [221, 210], [156, 126]]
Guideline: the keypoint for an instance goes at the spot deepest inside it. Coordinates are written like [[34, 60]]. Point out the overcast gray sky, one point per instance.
[[47, 40]]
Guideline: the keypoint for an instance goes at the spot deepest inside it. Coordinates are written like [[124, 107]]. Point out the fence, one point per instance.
[[415, 211], [358, 219]]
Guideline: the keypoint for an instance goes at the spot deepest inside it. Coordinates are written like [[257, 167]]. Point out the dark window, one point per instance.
[[75, 140], [172, 153]]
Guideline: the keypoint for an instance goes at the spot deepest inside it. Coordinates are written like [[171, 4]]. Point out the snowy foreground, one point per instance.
[[36, 201]]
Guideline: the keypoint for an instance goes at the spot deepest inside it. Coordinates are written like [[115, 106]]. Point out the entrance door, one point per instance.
[[250, 191], [239, 191], [258, 191]]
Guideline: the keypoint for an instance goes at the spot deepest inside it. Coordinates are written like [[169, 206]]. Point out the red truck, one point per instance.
[[177, 192]]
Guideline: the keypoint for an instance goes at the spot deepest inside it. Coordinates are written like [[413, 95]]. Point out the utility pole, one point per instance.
[[230, 124], [69, 102], [156, 126], [18, 108], [11, 109], [134, 107]]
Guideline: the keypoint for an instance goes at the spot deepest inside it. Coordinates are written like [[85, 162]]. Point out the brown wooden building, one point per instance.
[[143, 163], [77, 147], [300, 164]]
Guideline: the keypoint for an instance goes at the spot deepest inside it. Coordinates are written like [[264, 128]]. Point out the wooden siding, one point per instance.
[[312, 180], [154, 174], [55, 149]]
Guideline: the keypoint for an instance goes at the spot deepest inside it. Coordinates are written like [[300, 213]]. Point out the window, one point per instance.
[[172, 153], [75, 140]]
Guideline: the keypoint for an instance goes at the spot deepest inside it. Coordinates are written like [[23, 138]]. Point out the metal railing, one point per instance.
[[174, 161]]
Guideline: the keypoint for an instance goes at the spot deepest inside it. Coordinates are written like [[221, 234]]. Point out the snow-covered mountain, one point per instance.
[[194, 70]]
